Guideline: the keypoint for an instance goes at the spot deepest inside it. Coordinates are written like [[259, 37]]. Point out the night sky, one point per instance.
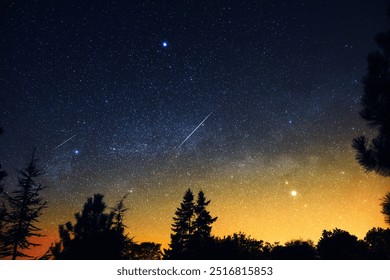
[[109, 91]]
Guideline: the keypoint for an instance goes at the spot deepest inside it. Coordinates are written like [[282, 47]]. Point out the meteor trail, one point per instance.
[[194, 130], [55, 148]]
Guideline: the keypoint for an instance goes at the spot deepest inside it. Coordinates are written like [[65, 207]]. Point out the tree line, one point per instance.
[[99, 233]]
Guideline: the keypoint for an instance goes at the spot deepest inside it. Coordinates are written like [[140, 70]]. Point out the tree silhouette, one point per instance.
[[238, 246], [26, 207], [378, 240], [191, 237], [3, 212], [203, 221], [182, 229], [340, 245], [386, 207], [4, 246], [3, 174], [146, 251], [374, 154], [295, 250], [201, 241], [95, 235]]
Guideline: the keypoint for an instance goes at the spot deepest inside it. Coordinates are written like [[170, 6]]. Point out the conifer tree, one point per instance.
[[3, 213], [386, 207], [26, 207], [203, 221], [3, 174], [374, 154], [182, 228], [191, 235]]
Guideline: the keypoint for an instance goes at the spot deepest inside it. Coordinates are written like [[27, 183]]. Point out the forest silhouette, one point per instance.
[[98, 231], [99, 234]]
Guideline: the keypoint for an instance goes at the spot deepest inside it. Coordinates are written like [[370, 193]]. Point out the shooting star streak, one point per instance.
[[55, 148], [194, 130]]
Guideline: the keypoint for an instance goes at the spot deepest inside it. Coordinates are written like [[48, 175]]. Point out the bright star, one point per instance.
[[76, 152], [164, 44], [294, 193]]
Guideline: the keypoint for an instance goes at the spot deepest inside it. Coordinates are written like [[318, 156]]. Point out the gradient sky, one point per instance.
[[126, 82]]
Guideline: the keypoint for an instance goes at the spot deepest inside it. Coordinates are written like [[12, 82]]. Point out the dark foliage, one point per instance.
[[191, 237], [3, 212], [374, 154], [378, 241], [238, 247], [182, 229], [340, 245], [295, 250], [95, 235], [3, 174], [386, 207], [203, 221], [4, 246], [25, 207], [146, 251]]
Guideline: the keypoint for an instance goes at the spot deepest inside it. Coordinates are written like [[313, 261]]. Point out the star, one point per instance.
[[294, 193], [164, 44]]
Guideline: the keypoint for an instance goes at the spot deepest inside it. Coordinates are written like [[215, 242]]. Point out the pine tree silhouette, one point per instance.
[[386, 207], [191, 238], [202, 242], [3, 213], [26, 207], [203, 221], [95, 235], [374, 154], [183, 228]]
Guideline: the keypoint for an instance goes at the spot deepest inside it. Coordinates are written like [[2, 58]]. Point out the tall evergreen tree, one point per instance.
[[203, 221], [182, 228], [3, 213], [374, 154], [191, 237], [26, 207]]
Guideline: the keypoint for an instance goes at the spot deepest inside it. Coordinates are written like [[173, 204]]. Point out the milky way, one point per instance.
[[108, 91]]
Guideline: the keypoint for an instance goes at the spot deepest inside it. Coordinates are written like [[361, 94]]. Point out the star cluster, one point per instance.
[[131, 80]]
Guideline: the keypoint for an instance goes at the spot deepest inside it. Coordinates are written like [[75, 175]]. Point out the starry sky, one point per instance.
[[109, 93]]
